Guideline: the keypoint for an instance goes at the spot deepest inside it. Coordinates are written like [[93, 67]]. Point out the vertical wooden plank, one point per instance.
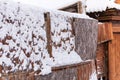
[[114, 58], [109, 32], [105, 32], [79, 7], [72, 25], [79, 73], [48, 32], [101, 33], [0, 71], [111, 55], [31, 76], [86, 38]]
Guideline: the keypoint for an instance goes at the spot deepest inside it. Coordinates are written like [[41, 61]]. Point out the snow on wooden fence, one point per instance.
[[77, 71], [33, 39]]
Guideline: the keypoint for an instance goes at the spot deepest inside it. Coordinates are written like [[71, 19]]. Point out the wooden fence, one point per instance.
[[105, 35], [86, 42], [27, 40], [79, 71]]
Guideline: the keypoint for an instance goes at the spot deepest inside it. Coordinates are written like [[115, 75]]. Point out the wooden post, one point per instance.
[[79, 7], [111, 55], [72, 24], [48, 32]]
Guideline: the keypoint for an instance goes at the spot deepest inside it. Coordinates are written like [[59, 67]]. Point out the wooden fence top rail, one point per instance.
[[70, 66]]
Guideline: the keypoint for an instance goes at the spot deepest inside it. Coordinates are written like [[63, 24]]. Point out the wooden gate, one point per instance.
[[105, 35], [79, 71], [114, 54]]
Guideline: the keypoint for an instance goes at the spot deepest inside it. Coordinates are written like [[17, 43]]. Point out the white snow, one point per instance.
[[100, 5], [93, 76], [63, 39], [92, 5], [51, 4], [23, 39]]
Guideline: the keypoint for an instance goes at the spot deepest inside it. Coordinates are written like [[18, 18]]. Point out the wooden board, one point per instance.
[[114, 58], [116, 29], [79, 71], [101, 60], [75, 8], [105, 32], [109, 18], [48, 32], [86, 38]]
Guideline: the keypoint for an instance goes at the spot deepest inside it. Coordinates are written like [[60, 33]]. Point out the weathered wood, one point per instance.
[[109, 14], [48, 32], [101, 33], [70, 8], [105, 32], [86, 38], [112, 57], [69, 66], [109, 31], [76, 8], [117, 1], [79, 71], [79, 7], [108, 18], [102, 60], [116, 29]]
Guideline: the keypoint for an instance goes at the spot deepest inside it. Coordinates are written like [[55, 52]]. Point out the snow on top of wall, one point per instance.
[[100, 5], [92, 5], [19, 49], [23, 42], [63, 40], [51, 4]]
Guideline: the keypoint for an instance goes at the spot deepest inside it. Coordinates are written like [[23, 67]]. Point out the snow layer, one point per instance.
[[100, 5], [93, 76], [49, 4], [92, 5], [63, 40], [23, 38], [23, 42]]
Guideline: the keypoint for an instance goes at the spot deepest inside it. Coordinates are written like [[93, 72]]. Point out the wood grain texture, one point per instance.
[[114, 58], [79, 71], [116, 29], [48, 32], [102, 60], [86, 38], [105, 32], [70, 72], [75, 8], [103, 18]]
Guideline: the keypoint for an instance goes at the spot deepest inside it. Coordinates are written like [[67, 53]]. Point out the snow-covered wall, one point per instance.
[[23, 41], [22, 38], [63, 41]]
